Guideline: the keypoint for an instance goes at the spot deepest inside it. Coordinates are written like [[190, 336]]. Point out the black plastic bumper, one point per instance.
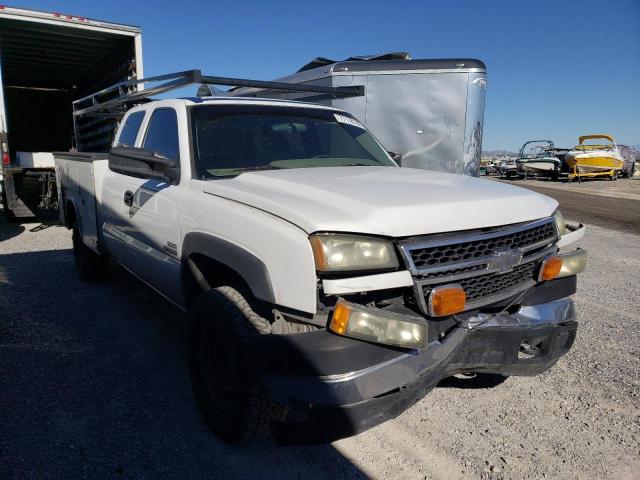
[[513, 351], [336, 387]]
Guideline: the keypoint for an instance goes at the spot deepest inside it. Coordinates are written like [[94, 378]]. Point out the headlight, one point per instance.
[[560, 223], [573, 263], [374, 325], [340, 253]]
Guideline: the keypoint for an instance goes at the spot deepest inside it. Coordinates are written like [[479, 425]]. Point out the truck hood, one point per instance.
[[388, 201]]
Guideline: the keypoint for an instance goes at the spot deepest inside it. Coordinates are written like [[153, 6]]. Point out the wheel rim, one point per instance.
[[218, 372]]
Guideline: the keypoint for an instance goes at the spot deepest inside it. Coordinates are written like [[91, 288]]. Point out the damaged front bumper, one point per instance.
[[335, 387]]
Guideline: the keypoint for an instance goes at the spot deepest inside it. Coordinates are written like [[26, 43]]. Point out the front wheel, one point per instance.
[[90, 266], [229, 394]]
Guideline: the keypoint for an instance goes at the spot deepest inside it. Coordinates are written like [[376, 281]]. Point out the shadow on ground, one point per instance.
[[473, 381], [94, 384], [9, 230]]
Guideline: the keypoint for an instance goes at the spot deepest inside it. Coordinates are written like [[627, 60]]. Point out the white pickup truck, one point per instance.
[[328, 289]]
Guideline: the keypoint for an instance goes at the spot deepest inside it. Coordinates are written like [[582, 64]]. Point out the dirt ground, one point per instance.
[[93, 384], [599, 202]]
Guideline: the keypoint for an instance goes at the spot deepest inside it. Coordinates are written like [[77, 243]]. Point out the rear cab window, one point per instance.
[[162, 133], [130, 129]]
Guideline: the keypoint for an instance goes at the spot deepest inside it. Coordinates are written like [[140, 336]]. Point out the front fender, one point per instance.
[[247, 265], [272, 255]]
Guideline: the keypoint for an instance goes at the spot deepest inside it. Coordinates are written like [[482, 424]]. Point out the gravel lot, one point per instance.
[[94, 384], [614, 205]]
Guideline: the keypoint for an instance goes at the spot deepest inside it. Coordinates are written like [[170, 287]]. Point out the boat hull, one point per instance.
[[539, 166], [594, 163]]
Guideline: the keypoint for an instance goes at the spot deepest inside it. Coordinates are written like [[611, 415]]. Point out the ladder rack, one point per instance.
[[113, 101]]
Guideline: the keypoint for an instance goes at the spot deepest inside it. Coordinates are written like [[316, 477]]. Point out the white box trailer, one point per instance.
[[429, 111], [48, 60]]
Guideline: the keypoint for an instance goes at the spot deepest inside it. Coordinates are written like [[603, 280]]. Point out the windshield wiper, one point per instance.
[[234, 172], [257, 167]]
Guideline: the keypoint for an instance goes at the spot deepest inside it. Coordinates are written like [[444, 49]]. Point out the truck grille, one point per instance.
[[452, 253], [486, 286], [489, 265]]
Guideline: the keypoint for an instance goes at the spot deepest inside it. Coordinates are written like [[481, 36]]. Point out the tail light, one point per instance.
[[6, 159]]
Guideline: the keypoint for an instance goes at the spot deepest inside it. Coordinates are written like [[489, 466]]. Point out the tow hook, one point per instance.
[[528, 350]]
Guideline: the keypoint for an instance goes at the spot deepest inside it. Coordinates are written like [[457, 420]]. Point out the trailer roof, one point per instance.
[[390, 62], [417, 64], [52, 50]]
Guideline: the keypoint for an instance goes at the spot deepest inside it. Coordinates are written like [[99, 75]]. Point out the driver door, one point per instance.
[[152, 219]]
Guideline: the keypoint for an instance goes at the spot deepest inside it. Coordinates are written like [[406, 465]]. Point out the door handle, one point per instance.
[[128, 198]]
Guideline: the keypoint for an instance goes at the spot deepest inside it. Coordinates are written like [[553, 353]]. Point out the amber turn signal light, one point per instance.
[[550, 268], [446, 300], [340, 318]]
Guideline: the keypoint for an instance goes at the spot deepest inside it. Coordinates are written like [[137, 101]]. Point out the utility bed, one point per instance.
[[77, 174]]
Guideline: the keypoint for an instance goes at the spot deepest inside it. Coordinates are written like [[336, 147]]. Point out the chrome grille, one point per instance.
[[492, 284], [437, 254], [490, 265]]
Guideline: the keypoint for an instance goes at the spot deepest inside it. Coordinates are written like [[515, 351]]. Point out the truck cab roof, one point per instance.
[[223, 100]]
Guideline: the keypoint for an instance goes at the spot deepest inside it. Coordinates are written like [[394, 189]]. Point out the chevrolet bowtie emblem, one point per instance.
[[503, 260]]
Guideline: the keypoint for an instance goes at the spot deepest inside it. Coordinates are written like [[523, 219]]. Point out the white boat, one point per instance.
[[535, 158]]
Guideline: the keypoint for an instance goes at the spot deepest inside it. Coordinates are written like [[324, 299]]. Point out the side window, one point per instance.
[[130, 130], [162, 133]]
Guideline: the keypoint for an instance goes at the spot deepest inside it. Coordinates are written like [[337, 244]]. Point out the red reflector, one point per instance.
[[6, 159]]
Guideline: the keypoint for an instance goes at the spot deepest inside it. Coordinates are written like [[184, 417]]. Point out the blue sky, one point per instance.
[[557, 69]]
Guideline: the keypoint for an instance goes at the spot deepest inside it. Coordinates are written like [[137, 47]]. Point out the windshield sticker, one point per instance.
[[348, 120]]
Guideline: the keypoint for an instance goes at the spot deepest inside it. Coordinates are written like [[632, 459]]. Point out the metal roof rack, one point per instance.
[[114, 101]]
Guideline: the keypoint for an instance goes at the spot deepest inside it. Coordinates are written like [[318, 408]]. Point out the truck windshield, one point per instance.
[[230, 140]]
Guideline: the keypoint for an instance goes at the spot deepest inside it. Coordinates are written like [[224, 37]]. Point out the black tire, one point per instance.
[[231, 398], [90, 266]]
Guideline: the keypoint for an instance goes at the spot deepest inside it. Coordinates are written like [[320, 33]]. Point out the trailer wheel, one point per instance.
[[229, 394], [90, 266]]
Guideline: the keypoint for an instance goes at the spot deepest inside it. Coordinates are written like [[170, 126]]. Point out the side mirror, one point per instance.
[[141, 163], [397, 157]]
